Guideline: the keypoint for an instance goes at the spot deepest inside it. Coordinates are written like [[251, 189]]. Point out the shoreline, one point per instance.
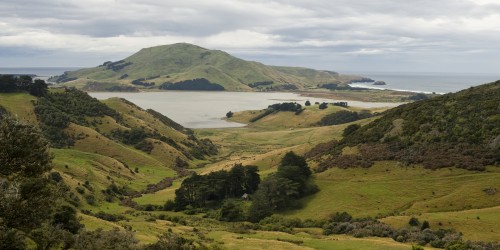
[[380, 87]]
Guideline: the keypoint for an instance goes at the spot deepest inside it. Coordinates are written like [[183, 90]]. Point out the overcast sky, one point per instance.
[[339, 35]]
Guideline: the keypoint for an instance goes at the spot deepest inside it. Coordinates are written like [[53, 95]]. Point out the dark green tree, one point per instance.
[[26, 195], [274, 194], [24, 153], [229, 114], [292, 159], [38, 88], [65, 218], [425, 225], [350, 129], [323, 105], [230, 211], [308, 103], [414, 222]]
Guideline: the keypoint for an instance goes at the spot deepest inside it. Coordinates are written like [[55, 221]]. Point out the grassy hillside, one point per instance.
[[151, 67], [460, 129], [124, 163], [99, 144]]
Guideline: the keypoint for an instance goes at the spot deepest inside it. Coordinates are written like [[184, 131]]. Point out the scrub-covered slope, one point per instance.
[[460, 129]]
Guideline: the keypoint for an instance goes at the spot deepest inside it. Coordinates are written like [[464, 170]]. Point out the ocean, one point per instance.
[[426, 82], [39, 71], [415, 82]]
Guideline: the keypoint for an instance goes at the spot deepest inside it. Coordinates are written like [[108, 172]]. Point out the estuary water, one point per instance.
[[205, 109], [196, 109]]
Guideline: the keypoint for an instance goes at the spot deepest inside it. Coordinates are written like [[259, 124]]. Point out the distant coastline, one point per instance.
[[38, 71], [440, 83]]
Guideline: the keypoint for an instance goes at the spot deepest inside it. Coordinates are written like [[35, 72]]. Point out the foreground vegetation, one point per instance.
[[134, 179]]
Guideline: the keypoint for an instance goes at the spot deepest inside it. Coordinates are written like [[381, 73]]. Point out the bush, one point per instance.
[[414, 222], [230, 211], [90, 199], [109, 217]]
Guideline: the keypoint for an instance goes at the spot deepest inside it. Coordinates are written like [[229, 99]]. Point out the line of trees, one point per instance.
[[286, 106]]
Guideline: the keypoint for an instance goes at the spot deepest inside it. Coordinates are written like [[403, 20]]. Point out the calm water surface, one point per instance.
[[427, 82], [206, 109]]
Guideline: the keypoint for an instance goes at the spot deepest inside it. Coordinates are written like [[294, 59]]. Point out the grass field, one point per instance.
[[475, 224], [387, 189], [279, 240], [285, 120], [20, 105]]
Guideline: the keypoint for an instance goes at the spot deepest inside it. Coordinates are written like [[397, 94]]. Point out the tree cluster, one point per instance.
[[282, 189], [194, 84], [116, 66], [210, 190], [22, 83], [286, 106], [343, 116], [259, 84], [335, 86], [323, 105], [341, 104], [142, 82]]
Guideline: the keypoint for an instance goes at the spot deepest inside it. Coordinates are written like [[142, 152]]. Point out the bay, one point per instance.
[[194, 109]]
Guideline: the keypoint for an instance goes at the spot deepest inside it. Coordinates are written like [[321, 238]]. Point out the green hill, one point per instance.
[[179, 66], [460, 129]]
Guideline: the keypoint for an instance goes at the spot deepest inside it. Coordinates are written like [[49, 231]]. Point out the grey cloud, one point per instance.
[[314, 32]]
